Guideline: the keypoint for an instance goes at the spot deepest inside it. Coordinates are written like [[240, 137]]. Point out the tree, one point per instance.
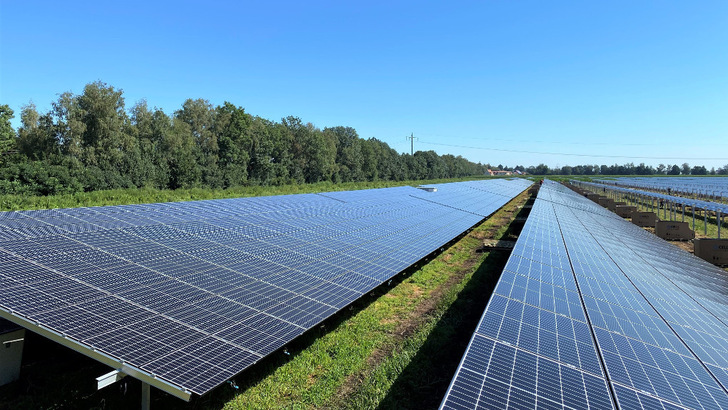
[[199, 115], [349, 157], [314, 154], [699, 170], [675, 170], [686, 168], [90, 142], [106, 141], [541, 169], [149, 128], [661, 169], [7, 134], [179, 146], [35, 135], [232, 126], [69, 124]]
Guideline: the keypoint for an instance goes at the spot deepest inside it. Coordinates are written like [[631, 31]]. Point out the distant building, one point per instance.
[[499, 173]]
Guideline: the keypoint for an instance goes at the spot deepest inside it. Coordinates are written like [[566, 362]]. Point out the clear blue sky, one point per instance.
[[503, 82]]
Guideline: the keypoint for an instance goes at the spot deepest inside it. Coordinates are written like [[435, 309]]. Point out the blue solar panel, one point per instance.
[[657, 314], [192, 293]]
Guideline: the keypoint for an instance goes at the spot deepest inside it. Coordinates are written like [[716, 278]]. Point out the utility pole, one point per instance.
[[412, 143]]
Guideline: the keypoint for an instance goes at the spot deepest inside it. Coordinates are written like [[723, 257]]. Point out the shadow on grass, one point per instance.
[[423, 383]]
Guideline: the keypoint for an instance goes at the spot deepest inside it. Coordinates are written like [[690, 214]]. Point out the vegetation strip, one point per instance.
[[151, 195]]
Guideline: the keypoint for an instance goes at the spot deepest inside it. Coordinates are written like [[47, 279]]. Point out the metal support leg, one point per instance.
[[146, 393], [673, 209], [706, 223], [719, 219], [692, 211]]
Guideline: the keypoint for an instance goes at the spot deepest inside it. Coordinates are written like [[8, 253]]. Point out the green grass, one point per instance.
[[151, 195]]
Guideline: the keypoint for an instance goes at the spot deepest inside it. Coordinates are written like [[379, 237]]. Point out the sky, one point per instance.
[[499, 82]]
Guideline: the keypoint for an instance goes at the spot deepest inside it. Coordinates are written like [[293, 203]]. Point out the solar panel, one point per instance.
[[691, 202], [186, 295], [655, 315]]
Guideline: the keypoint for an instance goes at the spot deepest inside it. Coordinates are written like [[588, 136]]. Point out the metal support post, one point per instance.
[[146, 395], [719, 219], [706, 223]]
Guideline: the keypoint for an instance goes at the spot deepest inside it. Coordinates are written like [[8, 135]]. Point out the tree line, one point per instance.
[[625, 169], [91, 142]]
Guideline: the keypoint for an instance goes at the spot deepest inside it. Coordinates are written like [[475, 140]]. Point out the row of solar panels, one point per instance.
[[594, 312], [186, 295], [693, 203], [697, 185]]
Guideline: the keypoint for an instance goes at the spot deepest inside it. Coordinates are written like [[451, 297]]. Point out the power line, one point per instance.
[[529, 141], [574, 155]]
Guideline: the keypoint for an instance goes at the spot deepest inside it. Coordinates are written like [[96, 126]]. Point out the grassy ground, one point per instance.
[[150, 195], [396, 348]]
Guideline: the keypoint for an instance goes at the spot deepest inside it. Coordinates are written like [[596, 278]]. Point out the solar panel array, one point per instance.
[[703, 186], [648, 322], [693, 203], [193, 293]]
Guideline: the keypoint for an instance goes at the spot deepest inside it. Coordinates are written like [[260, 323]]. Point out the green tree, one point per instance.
[[7, 134], [349, 157], [106, 140], [36, 134], [232, 127], [69, 126], [541, 169], [179, 146], [685, 169], [199, 115], [699, 170]]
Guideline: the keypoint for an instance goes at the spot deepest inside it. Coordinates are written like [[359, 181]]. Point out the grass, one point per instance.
[[396, 348], [151, 195]]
